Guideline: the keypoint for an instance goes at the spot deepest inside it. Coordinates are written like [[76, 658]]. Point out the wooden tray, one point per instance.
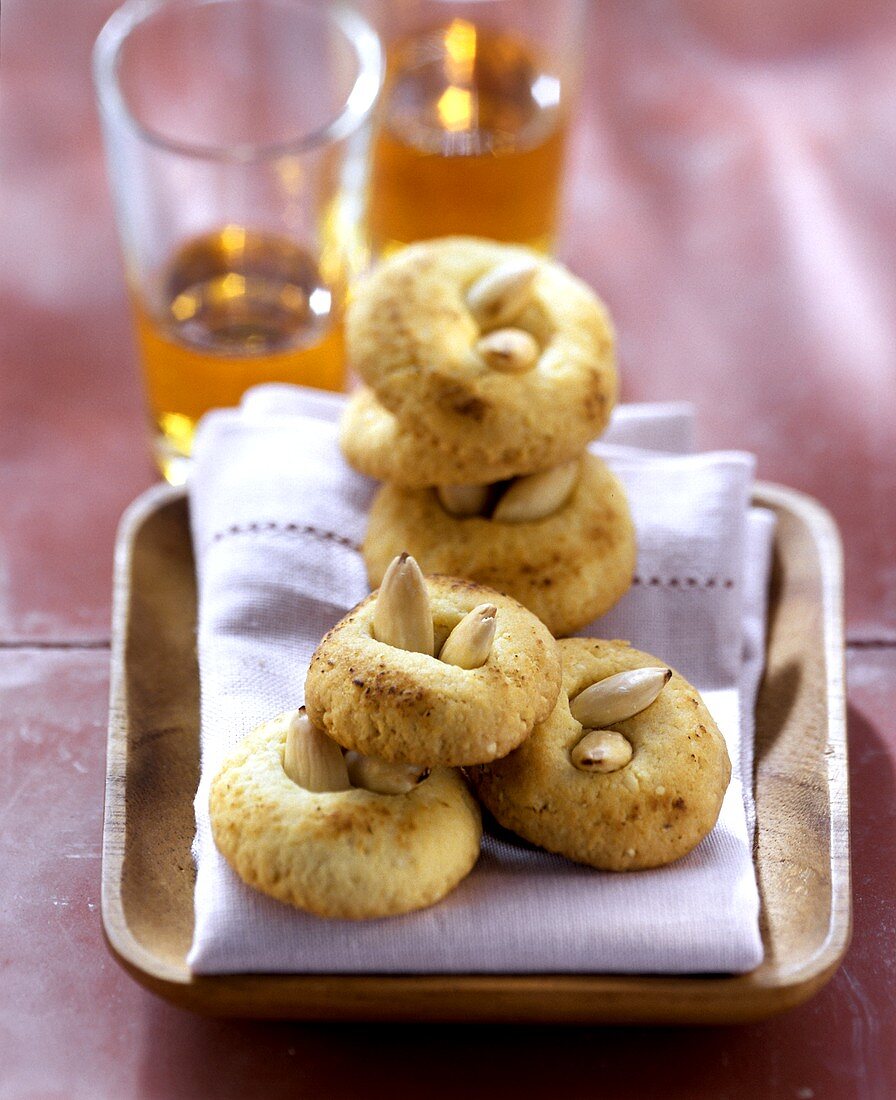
[[802, 849]]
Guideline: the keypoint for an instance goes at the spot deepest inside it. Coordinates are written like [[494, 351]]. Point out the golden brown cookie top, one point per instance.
[[667, 769], [460, 363], [385, 701]]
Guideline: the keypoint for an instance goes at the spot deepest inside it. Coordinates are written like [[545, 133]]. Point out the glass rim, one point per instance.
[[356, 109]]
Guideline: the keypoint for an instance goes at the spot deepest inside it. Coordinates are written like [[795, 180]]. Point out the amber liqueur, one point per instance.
[[470, 140], [232, 309]]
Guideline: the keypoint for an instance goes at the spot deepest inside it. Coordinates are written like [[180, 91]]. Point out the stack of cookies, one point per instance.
[[487, 371], [354, 807]]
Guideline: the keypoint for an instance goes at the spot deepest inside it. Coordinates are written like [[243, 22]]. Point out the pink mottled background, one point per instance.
[[732, 195]]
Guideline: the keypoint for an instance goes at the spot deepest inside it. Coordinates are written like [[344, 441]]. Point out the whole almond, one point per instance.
[[496, 297], [382, 777], [601, 751], [402, 616], [509, 350], [311, 759], [463, 500], [539, 495], [470, 642], [618, 697]]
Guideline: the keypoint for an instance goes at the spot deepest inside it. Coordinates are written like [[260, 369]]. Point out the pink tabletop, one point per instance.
[[731, 194]]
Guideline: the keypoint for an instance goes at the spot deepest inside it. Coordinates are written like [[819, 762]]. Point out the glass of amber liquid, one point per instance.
[[473, 118], [237, 136]]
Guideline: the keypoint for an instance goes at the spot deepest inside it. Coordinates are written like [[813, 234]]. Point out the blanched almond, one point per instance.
[[601, 751], [618, 697], [311, 759], [402, 616], [539, 495], [463, 500], [510, 350], [470, 643], [382, 777], [500, 294]]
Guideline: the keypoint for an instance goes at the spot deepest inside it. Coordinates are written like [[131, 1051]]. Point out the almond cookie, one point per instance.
[[561, 543], [351, 853], [642, 790], [484, 347], [375, 684]]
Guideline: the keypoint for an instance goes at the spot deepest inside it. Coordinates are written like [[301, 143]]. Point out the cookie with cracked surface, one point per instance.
[[646, 812], [568, 567], [432, 358], [402, 706], [351, 854]]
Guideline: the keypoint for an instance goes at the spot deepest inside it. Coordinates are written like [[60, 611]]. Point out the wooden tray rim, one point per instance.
[[724, 998]]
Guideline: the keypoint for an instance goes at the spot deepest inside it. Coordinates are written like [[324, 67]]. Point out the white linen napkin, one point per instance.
[[277, 518]]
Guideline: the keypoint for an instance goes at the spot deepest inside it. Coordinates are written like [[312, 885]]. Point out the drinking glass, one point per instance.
[[473, 118], [237, 134]]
